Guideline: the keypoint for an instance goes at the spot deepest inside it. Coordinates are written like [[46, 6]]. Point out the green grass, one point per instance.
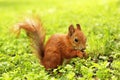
[[99, 19]]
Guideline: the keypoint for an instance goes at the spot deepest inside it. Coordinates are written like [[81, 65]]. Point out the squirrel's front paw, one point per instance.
[[80, 54]]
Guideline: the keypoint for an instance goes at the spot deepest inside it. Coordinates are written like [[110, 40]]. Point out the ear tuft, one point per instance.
[[78, 26], [71, 30]]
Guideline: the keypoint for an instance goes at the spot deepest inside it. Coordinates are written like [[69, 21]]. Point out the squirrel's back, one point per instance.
[[54, 48]]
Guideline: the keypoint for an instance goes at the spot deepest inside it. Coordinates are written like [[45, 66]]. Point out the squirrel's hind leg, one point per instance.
[[52, 61]]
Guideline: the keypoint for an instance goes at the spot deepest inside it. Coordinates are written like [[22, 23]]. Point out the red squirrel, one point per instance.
[[58, 46]]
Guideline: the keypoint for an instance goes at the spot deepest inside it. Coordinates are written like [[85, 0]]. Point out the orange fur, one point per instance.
[[58, 47]]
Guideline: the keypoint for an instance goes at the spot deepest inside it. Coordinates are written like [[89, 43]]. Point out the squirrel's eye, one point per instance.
[[76, 40]]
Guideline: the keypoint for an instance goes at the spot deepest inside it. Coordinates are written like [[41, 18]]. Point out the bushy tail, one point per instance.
[[35, 31]]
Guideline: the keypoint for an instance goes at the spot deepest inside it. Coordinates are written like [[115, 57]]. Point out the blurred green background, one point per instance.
[[99, 19]]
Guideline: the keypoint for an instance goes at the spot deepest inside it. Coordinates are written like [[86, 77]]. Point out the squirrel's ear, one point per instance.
[[71, 30], [78, 26]]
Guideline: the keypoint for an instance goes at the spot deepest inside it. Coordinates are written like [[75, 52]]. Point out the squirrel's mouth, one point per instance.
[[83, 49]]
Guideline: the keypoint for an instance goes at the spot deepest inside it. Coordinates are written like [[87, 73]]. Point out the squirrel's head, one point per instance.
[[77, 37]]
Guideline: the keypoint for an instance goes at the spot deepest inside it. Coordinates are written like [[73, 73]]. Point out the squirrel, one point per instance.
[[58, 47]]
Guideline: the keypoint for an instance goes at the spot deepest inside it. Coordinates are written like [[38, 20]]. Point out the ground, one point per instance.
[[99, 19]]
